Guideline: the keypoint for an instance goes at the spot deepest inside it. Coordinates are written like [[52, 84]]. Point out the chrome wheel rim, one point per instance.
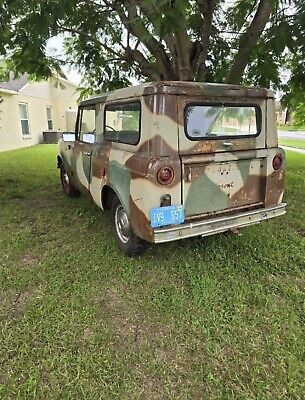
[[66, 179], [122, 225]]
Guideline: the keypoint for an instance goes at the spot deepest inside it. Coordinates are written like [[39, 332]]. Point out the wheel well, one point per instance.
[[108, 195]]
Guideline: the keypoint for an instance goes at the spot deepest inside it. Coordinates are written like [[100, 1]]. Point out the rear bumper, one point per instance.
[[217, 225]]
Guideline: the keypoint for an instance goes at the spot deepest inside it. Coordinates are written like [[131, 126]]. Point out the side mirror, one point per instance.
[[68, 137], [89, 138]]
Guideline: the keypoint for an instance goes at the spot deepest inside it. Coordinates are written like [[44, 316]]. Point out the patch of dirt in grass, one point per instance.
[[7, 182], [87, 335], [283, 280], [145, 344], [3, 379], [301, 232], [132, 325], [29, 260], [37, 202], [134, 336], [129, 323], [13, 304]]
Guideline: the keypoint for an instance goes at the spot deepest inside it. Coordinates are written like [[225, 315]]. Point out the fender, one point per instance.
[[103, 193]]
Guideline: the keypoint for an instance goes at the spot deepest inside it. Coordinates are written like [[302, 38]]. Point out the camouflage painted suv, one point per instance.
[[173, 160]]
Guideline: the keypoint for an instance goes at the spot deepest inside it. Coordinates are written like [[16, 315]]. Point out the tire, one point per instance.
[[127, 240], [68, 187]]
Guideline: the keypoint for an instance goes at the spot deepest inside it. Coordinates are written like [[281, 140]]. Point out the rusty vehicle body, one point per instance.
[[205, 154]]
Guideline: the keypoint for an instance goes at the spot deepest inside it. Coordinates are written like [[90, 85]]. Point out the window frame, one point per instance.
[[23, 119], [51, 119], [79, 121], [140, 121], [258, 113]]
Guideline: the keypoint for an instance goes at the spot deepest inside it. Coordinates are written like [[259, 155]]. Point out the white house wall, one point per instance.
[[63, 92], [38, 96], [10, 129]]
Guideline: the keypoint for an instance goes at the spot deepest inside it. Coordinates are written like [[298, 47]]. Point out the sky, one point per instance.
[[55, 48]]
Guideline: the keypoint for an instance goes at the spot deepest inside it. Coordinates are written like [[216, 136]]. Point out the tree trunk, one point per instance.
[[207, 8], [249, 40], [183, 46]]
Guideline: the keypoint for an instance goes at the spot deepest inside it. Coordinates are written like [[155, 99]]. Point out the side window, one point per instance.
[[86, 124], [122, 122]]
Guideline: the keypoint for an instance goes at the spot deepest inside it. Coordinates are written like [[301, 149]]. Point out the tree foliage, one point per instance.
[[112, 42]]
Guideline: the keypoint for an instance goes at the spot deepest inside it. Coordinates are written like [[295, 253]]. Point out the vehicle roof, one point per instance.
[[182, 88]]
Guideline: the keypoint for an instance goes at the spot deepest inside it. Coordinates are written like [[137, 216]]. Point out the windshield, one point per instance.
[[219, 121]]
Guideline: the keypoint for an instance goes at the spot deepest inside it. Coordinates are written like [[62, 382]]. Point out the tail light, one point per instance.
[[277, 162], [165, 175]]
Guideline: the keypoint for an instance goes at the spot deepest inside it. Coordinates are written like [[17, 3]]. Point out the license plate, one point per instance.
[[170, 215]]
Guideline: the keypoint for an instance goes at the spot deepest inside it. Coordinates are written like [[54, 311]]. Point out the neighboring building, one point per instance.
[[27, 109], [283, 115]]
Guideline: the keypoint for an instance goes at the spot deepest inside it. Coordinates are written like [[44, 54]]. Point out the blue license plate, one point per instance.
[[170, 215]]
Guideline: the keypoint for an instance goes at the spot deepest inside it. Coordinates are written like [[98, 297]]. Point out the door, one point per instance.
[[82, 151], [223, 156]]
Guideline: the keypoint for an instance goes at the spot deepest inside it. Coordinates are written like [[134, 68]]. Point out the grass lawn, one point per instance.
[[215, 318], [298, 143], [290, 128]]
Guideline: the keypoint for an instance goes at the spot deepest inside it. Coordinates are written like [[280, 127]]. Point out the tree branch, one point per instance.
[[207, 8], [183, 46], [133, 23], [178, 44], [169, 39], [150, 9], [248, 40], [145, 67], [85, 34]]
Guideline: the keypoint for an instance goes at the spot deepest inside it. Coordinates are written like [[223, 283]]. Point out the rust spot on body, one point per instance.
[[139, 222]]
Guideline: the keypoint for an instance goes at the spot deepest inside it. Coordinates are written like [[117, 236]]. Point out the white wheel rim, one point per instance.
[[66, 179], [122, 225]]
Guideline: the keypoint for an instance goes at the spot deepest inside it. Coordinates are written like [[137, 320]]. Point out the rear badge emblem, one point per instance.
[[226, 185]]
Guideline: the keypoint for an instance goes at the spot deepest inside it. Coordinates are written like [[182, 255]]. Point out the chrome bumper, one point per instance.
[[217, 225]]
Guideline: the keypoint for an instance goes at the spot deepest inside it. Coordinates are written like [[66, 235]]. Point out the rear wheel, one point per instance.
[[68, 187], [127, 240]]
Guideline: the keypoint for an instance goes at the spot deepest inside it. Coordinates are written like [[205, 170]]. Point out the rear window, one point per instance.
[[220, 121]]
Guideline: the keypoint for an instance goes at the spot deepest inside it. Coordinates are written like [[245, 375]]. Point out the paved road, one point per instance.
[[292, 135], [302, 151]]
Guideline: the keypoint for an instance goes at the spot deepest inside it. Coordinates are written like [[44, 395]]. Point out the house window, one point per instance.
[[49, 118], [24, 118]]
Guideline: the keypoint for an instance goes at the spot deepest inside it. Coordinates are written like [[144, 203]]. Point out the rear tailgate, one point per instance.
[[237, 180], [223, 156]]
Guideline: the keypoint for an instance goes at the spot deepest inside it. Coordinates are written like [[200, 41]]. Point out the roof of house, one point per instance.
[[15, 84]]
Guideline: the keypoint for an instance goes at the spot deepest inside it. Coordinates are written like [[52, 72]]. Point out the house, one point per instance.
[[283, 114], [27, 109]]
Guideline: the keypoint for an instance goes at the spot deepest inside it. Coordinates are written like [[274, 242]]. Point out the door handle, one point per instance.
[[227, 144], [87, 153]]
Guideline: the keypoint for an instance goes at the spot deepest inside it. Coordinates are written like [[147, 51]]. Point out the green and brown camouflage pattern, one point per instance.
[[209, 180]]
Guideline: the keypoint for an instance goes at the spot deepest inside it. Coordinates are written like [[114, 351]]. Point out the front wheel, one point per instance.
[[127, 240]]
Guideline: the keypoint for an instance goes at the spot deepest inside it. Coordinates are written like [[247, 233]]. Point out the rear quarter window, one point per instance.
[[219, 121], [122, 122]]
